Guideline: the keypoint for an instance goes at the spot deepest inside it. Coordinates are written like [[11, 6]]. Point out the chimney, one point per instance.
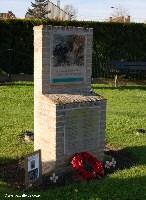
[[111, 19], [58, 3], [128, 19]]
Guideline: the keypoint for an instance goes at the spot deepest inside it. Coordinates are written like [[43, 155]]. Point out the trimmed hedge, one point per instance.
[[112, 42]]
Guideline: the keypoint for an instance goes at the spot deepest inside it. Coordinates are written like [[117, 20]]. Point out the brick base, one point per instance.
[[50, 130]]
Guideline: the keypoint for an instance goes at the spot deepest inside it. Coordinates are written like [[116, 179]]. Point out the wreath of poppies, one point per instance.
[[78, 162]]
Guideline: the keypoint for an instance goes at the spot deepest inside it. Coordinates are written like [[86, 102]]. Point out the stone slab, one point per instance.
[[82, 130], [75, 97]]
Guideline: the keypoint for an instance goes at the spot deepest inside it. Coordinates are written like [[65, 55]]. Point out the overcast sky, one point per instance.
[[96, 10]]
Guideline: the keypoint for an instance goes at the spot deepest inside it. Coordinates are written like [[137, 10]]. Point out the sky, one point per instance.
[[95, 10]]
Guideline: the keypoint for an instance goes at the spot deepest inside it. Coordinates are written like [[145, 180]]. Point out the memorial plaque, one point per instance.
[[68, 60], [33, 169], [82, 128]]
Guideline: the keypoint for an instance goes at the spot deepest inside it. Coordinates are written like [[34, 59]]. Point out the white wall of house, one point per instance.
[[56, 12]]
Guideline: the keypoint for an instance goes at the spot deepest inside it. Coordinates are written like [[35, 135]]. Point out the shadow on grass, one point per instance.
[[110, 189], [16, 84], [123, 185], [118, 188], [13, 174], [139, 152], [119, 87], [127, 157], [5, 160], [21, 83]]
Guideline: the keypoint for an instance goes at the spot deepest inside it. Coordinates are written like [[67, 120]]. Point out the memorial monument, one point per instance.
[[69, 117]]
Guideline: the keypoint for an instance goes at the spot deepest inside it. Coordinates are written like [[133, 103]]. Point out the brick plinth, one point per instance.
[[50, 128]]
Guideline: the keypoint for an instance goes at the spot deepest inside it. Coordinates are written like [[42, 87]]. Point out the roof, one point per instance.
[[58, 7], [7, 15], [120, 19]]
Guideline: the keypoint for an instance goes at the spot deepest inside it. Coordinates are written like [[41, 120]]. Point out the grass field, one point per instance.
[[126, 112]]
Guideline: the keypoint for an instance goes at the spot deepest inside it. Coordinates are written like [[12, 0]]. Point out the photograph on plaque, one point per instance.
[[33, 167], [68, 60], [68, 50]]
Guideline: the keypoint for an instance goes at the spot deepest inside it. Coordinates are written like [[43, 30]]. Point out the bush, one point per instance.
[[111, 42]]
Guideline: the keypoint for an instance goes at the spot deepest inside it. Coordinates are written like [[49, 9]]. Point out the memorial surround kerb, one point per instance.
[[68, 117]]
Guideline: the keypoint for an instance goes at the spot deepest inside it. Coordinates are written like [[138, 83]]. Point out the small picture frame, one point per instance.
[[33, 168]]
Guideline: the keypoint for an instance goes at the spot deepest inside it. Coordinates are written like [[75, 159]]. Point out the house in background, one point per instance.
[[7, 15], [120, 19], [55, 12]]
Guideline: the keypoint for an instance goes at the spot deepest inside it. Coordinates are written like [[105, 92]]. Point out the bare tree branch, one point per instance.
[[68, 8], [120, 11]]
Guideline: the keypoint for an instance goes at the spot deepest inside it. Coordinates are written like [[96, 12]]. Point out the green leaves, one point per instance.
[[111, 42], [38, 10]]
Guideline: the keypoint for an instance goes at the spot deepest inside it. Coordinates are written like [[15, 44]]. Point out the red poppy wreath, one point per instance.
[[78, 162]]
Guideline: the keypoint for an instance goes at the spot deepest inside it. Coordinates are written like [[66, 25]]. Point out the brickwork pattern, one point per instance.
[[42, 65], [49, 121], [63, 161]]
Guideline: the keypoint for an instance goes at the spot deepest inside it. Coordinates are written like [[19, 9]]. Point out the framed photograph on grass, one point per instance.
[[33, 169]]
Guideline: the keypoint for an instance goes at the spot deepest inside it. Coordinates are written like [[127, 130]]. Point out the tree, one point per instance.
[[120, 11], [69, 9], [38, 10]]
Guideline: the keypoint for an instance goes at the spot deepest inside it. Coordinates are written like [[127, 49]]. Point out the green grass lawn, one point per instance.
[[126, 112], [16, 111]]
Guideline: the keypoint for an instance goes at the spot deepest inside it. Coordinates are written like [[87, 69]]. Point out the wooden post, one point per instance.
[[116, 77]]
